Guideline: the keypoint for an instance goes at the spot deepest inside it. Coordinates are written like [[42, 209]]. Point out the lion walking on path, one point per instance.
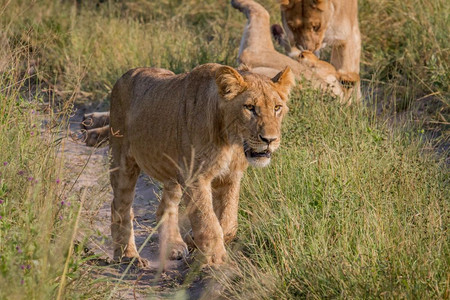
[[196, 133]]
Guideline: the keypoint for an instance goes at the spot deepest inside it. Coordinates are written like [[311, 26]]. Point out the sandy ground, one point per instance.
[[87, 167]]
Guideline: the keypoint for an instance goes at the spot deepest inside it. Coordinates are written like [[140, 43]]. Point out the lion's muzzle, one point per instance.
[[258, 156]]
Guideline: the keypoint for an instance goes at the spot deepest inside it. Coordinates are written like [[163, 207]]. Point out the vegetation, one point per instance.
[[353, 205], [37, 211], [348, 209]]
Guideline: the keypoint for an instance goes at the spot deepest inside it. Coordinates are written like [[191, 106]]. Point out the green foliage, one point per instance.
[[406, 46], [36, 219], [349, 208]]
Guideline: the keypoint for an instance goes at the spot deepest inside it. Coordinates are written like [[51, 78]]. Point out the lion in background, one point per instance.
[[257, 51], [313, 24], [348, 80], [196, 133], [95, 128]]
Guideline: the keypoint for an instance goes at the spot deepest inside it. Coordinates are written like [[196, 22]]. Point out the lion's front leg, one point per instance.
[[171, 243], [346, 58], [226, 202], [208, 235]]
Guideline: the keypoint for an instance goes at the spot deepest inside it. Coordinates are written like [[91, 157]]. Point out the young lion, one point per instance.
[[257, 52], [313, 24], [196, 133]]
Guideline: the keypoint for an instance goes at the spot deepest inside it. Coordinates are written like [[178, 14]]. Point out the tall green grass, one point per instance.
[[37, 217], [39, 212], [350, 207], [407, 51], [100, 43]]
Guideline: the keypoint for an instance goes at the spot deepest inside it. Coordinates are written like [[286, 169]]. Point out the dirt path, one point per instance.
[[87, 167]]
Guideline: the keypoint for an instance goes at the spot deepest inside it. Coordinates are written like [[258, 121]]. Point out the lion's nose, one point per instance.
[[267, 139]]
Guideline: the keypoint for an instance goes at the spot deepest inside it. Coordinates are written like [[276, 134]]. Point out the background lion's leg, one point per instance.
[[256, 49], [171, 243], [346, 60], [226, 200], [124, 174]]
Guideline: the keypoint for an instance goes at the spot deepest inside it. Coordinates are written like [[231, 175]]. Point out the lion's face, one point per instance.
[[260, 119], [254, 106], [306, 22]]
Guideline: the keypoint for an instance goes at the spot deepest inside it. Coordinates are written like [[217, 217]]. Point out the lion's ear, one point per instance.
[[320, 4], [284, 82], [229, 82], [286, 4]]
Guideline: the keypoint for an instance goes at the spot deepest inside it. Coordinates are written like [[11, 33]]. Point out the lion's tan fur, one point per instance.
[[348, 80], [313, 24], [258, 52], [189, 132]]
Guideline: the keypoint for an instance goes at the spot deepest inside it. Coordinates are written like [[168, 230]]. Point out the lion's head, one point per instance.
[[306, 22], [253, 107]]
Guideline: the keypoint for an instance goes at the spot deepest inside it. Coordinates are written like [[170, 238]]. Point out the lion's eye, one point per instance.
[[249, 107], [316, 27], [277, 108]]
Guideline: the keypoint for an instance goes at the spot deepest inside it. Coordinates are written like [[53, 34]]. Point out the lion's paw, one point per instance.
[[138, 261], [179, 250], [217, 257], [215, 260]]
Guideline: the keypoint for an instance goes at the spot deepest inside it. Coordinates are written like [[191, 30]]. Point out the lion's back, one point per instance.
[[159, 113]]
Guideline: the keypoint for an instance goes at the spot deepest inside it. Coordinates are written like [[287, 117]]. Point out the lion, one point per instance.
[[196, 133], [313, 24], [347, 80], [316, 65], [257, 51]]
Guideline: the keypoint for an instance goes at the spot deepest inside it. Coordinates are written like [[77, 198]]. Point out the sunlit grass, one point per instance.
[[348, 209], [351, 207], [36, 216]]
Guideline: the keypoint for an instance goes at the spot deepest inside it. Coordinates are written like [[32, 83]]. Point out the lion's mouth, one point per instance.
[[250, 153]]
